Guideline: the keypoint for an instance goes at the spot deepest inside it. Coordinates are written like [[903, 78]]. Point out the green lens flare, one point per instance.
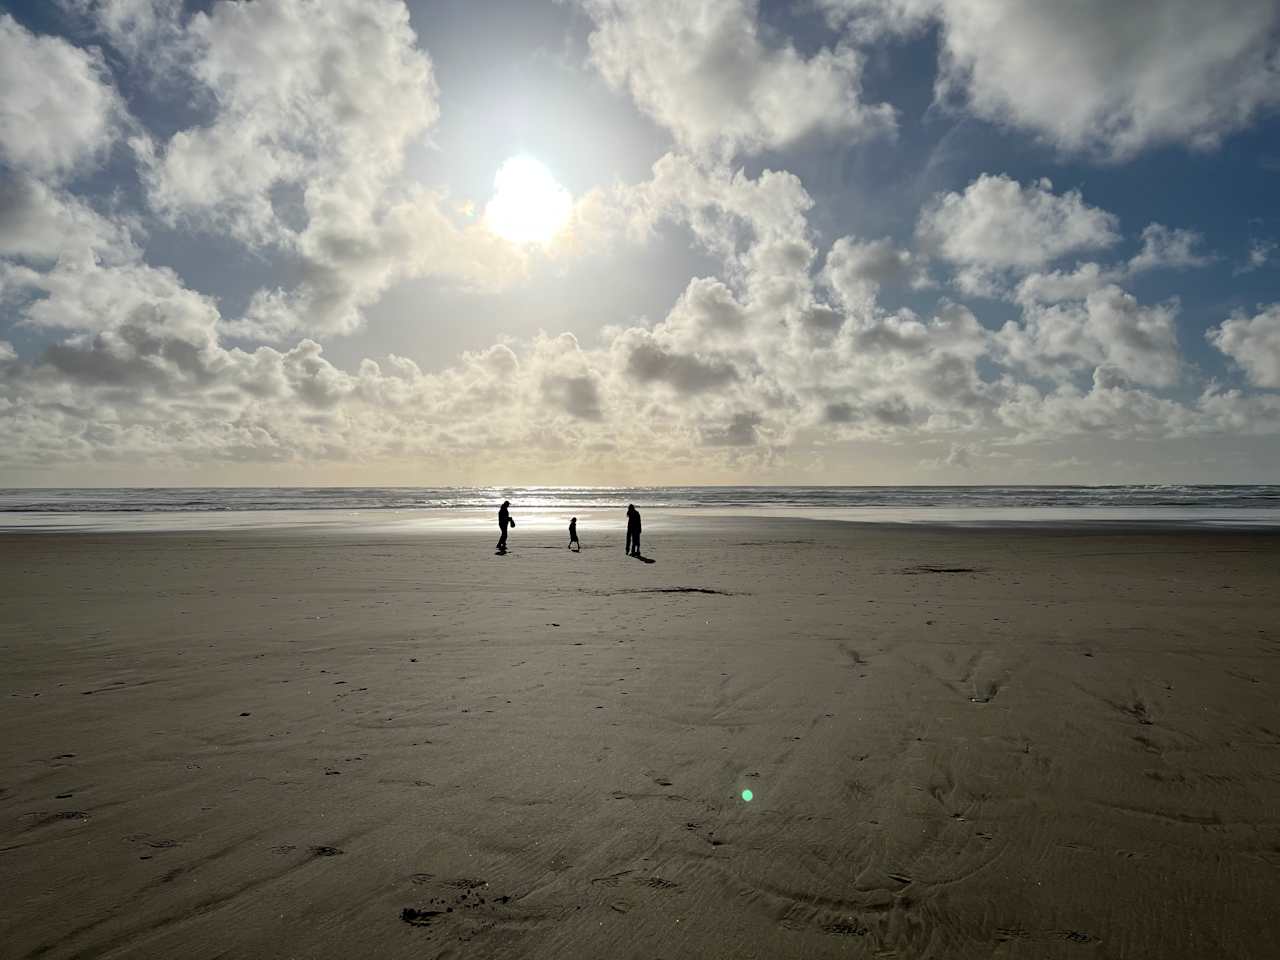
[[747, 795]]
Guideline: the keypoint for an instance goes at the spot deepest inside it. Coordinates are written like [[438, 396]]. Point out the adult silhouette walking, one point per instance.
[[633, 531], [504, 520]]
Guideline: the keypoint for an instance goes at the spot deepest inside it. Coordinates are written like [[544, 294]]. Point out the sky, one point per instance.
[[639, 242]]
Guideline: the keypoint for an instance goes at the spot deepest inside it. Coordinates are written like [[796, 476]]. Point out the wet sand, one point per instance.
[[959, 743]]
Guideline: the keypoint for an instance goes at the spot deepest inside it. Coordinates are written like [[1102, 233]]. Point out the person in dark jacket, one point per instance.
[[633, 531], [504, 520], [573, 535]]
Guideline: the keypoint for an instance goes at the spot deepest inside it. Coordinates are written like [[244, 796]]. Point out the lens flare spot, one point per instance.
[[747, 795]]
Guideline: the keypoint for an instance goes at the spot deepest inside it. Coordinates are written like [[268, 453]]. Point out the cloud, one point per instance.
[[740, 366], [856, 270], [1162, 247], [577, 396], [1108, 329], [885, 373], [1236, 413], [706, 75], [842, 412], [42, 223], [347, 264], [1057, 285], [143, 373], [1094, 75], [718, 202], [1125, 76], [1253, 343], [998, 224], [147, 31], [1170, 248], [1260, 252], [1111, 407], [740, 431], [708, 314], [568, 383], [783, 343], [326, 96], [873, 20], [649, 362], [762, 338], [59, 111], [136, 356], [84, 271], [959, 457], [317, 103]]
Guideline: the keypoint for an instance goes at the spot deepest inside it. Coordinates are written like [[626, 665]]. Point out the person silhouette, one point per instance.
[[504, 518], [573, 535], [633, 531]]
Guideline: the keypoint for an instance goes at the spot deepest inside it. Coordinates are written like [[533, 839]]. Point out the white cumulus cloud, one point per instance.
[[317, 105], [997, 222], [1169, 248], [1111, 78], [1109, 329], [705, 73], [857, 269], [58, 107], [1253, 343]]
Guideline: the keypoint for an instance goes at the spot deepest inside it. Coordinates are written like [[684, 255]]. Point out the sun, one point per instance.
[[528, 205]]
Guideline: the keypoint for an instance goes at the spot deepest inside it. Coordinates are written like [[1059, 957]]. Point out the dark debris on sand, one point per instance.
[[631, 590]]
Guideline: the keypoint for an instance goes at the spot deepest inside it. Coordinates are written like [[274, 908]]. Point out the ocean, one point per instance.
[[222, 507]]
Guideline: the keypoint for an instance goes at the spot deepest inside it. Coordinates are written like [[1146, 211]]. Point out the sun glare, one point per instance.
[[528, 205]]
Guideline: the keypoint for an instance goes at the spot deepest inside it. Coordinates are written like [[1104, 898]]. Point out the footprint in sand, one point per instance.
[[657, 883], [44, 819], [612, 880], [419, 918], [1137, 710], [455, 906], [855, 659], [1005, 934], [844, 929], [1076, 936], [800, 917], [985, 693], [709, 835], [156, 843]]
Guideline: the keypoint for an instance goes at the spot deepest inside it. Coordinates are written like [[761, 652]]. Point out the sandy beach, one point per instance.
[[958, 743]]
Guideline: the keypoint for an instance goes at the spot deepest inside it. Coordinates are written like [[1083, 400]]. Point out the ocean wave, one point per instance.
[[232, 499]]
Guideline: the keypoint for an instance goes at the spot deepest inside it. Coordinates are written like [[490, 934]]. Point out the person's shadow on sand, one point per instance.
[[642, 559], [500, 552]]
